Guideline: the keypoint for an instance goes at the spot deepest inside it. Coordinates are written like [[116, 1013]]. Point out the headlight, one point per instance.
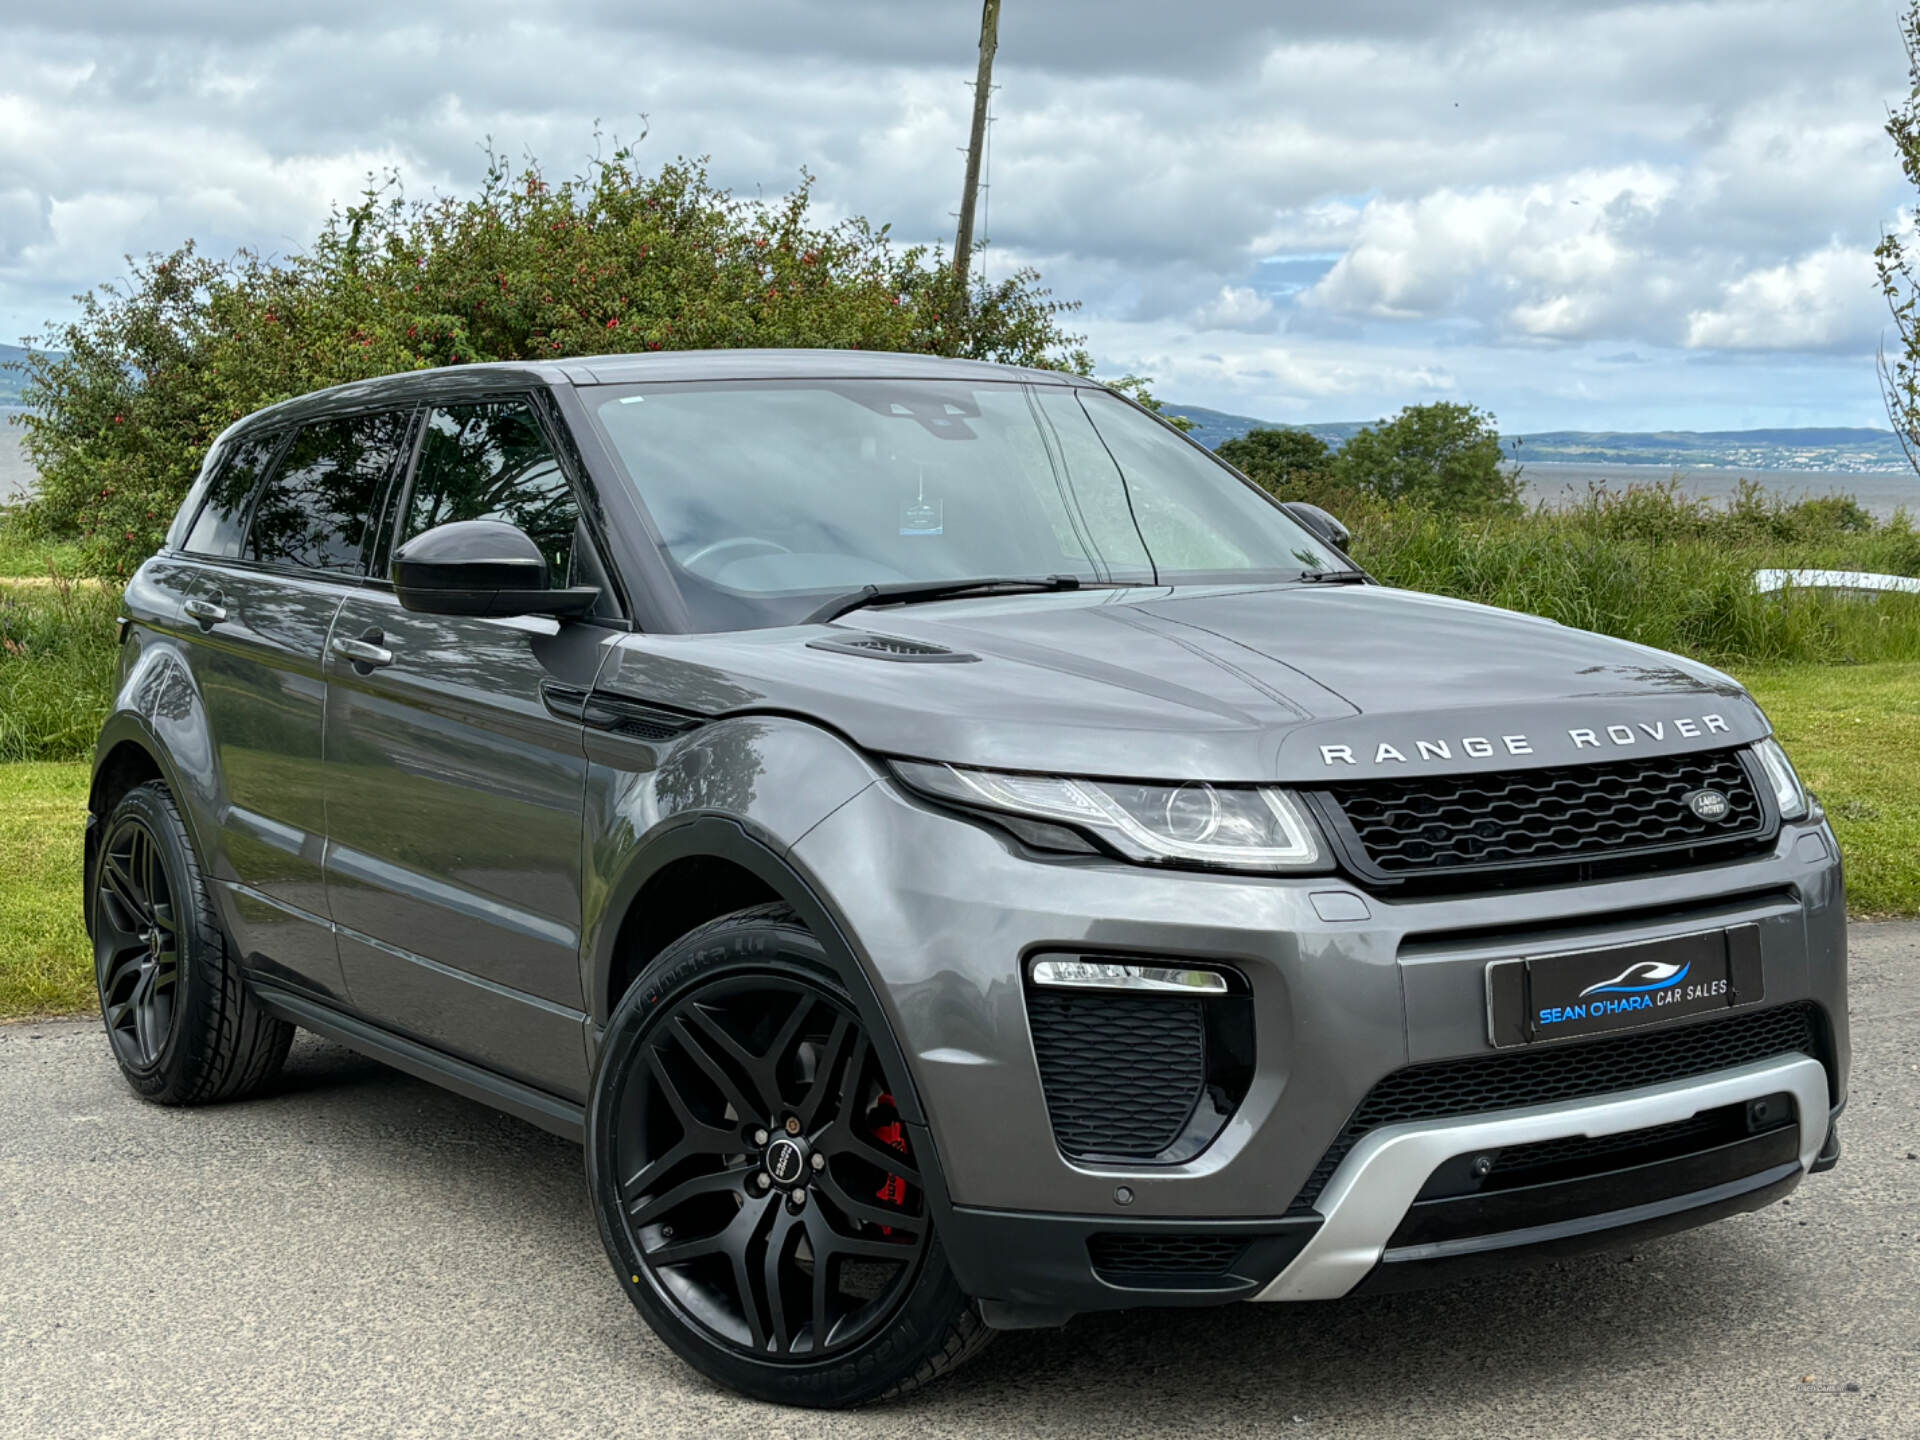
[[1245, 828], [1788, 793]]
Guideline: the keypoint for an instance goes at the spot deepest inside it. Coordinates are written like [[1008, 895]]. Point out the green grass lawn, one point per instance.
[[1854, 732], [20, 555], [45, 967]]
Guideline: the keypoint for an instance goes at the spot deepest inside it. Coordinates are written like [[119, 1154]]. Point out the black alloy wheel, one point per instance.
[[136, 944], [756, 1185], [183, 1026], [765, 1172]]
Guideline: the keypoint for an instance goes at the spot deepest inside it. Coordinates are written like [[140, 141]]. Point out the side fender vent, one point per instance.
[[892, 647]]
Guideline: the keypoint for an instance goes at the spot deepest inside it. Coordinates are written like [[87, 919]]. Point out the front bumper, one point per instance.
[[1346, 988]]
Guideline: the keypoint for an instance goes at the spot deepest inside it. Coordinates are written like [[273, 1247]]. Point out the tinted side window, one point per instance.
[[223, 519], [490, 462], [316, 510]]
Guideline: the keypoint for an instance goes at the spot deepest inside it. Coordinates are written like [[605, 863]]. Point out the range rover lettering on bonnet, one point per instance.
[[1481, 747]]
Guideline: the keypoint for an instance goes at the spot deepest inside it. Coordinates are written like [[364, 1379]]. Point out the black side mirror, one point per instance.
[[481, 567], [1320, 523]]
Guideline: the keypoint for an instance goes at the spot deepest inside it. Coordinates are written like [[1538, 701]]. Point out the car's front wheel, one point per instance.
[[756, 1188]]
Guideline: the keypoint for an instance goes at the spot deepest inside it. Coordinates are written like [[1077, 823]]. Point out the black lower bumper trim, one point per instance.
[[1416, 1267], [1829, 1155], [1028, 1264]]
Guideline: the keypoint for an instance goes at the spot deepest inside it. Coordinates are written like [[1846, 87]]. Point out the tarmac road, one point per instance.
[[361, 1255]]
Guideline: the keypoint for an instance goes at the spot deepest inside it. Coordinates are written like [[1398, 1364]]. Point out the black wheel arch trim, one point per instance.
[[121, 728], [722, 837]]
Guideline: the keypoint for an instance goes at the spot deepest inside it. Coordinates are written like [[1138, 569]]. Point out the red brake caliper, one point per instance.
[[894, 1137]]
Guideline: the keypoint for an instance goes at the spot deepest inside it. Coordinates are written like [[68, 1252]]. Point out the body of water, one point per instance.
[[16, 476], [1880, 493]]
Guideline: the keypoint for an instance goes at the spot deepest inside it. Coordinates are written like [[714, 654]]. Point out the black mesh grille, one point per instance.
[[1518, 1163], [1164, 1254], [1121, 1072], [1412, 827], [1543, 1074]]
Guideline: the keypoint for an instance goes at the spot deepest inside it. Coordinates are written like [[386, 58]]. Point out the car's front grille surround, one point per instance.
[[1460, 827], [1571, 1070]]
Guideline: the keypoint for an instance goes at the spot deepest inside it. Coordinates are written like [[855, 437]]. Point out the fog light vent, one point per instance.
[[1138, 1072]]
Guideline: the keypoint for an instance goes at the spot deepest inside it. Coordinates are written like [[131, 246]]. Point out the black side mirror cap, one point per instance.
[[1325, 526], [481, 567]]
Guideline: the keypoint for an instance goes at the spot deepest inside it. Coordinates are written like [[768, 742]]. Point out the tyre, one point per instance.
[[182, 1026], [756, 1189]]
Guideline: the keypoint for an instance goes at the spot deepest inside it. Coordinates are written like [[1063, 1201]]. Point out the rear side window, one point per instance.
[[491, 462], [316, 510], [218, 529]]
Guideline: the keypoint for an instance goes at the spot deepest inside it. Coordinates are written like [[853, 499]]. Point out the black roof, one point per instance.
[[454, 380]]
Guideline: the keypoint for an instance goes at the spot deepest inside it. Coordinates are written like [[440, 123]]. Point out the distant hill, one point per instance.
[[1835, 449], [1213, 427]]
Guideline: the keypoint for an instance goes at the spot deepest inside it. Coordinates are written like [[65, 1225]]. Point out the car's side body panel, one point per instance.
[[454, 854]]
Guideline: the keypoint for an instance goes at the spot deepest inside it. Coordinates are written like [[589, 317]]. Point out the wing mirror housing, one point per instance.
[[481, 567], [1323, 525]]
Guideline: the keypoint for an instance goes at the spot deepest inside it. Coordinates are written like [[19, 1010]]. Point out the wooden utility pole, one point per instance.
[[982, 94]]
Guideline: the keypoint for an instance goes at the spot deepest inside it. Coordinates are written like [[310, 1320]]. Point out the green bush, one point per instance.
[[1442, 455], [1286, 462], [57, 658], [124, 401]]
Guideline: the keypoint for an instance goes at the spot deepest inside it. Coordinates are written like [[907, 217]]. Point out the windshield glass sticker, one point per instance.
[[921, 516]]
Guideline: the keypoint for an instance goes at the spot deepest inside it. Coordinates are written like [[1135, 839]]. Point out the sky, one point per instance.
[[1575, 214]]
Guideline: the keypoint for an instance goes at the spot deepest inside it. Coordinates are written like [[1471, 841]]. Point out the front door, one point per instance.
[[454, 794]]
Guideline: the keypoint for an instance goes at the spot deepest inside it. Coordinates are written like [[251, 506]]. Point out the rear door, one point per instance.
[[280, 557], [454, 794]]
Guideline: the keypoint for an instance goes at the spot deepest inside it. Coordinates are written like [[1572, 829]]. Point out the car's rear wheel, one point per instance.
[[759, 1195], [181, 1024]]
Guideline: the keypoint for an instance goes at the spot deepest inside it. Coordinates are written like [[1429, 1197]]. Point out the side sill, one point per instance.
[[549, 1112]]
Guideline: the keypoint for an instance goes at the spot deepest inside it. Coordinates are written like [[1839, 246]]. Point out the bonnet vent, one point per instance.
[[892, 647]]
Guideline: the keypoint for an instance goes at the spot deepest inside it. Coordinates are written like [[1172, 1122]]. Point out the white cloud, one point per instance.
[[1820, 300], [1236, 307]]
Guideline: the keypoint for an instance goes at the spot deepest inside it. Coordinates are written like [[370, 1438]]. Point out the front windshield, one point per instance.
[[772, 497]]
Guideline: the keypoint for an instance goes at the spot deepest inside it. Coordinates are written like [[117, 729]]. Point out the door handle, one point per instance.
[[367, 653], [208, 612]]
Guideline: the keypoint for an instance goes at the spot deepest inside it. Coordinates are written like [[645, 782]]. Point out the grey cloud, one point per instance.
[[1149, 160]]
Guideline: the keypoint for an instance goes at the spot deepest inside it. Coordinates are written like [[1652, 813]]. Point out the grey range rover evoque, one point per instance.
[[955, 853]]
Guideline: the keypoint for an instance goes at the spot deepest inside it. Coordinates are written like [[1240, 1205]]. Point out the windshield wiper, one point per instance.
[[906, 592], [1335, 577]]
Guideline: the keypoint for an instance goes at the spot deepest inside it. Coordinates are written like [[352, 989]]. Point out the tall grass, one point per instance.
[[57, 658], [1655, 566]]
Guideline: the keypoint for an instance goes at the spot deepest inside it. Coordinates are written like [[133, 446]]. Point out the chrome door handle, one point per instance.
[[366, 653], [207, 612]]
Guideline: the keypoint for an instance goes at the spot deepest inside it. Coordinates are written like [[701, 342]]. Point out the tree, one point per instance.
[[1139, 388], [1444, 455], [1895, 261], [1285, 462], [124, 400]]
